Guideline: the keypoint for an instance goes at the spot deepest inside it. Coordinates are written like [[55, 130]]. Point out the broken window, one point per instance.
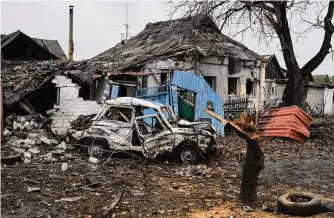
[[249, 87], [150, 124], [211, 80], [118, 114], [232, 86]]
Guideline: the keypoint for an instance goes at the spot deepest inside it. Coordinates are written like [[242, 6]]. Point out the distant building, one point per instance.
[[19, 46]]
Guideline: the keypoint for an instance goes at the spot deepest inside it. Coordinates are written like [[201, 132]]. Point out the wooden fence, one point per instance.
[[233, 108]]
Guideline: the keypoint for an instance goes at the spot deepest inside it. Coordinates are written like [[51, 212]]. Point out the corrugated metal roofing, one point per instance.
[[204, 94], [291, 122]]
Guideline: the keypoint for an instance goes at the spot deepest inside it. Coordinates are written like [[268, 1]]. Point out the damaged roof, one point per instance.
[[20, 78], [196, 35], [50, 46]]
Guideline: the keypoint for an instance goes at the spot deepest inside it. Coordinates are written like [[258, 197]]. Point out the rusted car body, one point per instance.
[[120, 125]]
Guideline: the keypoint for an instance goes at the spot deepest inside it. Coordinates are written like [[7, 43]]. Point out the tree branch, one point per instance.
[[326, 46]]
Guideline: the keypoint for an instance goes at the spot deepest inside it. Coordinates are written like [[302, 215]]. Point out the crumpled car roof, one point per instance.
[[132, 102]]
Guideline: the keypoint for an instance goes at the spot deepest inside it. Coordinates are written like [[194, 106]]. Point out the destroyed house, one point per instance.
[[56, 89], [193, 44], [19, 46]]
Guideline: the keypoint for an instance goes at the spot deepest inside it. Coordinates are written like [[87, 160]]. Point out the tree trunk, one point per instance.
[[295, 92], [252, 165]]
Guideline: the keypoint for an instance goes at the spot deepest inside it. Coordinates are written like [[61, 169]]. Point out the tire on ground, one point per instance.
[[287, 206]]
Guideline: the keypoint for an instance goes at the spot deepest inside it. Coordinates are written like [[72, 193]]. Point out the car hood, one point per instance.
[[197, 125]]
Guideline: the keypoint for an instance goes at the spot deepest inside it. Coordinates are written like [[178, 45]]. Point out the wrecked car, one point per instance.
[[121, 125]]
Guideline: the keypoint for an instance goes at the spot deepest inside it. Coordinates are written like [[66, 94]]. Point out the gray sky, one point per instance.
[[98, 27]]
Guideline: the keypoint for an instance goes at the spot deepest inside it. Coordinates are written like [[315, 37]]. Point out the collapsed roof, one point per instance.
[[198, 34], [20, 78]]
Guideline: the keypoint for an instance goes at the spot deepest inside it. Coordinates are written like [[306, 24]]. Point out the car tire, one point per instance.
[[189, 154], [94, 148], [286, 205]]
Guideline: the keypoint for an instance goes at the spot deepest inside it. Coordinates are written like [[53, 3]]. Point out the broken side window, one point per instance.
[[118, 114], [149, 124]]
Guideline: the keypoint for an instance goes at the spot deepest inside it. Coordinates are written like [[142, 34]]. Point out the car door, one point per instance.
[[154, 136]]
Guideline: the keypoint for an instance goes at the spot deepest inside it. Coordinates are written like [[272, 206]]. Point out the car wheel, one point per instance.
[[95, 148], [189, 154]]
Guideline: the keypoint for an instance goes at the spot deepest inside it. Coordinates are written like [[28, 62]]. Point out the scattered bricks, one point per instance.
[[32, 123], [14, 125], [40, 125], [26, 124], [29, 128], [45, 140], [6, 132], [22, 127], [19, 125]]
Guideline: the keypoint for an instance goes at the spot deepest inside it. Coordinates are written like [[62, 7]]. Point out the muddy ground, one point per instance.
[[167, 189]]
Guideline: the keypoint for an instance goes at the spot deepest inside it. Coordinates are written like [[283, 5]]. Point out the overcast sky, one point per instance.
[[98, 26]]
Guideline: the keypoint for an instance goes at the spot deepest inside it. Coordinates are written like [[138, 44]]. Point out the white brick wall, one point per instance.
[[70, 105], [315, 98]]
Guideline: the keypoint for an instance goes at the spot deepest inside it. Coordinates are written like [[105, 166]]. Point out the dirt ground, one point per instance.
[[166, 189]]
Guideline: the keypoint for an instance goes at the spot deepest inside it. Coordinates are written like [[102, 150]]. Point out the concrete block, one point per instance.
[[26, 123], [45, 140]]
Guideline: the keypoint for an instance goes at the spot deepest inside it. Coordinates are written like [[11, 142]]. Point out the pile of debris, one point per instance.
[[27, 138], [21, 123]]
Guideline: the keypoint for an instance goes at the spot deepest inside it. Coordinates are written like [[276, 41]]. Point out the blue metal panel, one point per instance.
[[174, 100], [204, 94], [189, 81], [114, 91], [202, 100]]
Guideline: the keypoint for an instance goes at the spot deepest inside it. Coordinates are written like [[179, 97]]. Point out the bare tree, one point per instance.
[[272, 19]]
